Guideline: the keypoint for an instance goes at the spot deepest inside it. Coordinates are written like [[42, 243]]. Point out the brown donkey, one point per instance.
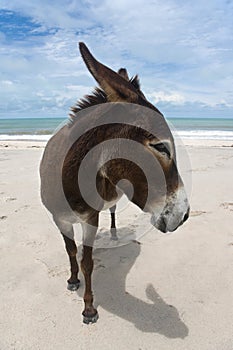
[[116, 140]]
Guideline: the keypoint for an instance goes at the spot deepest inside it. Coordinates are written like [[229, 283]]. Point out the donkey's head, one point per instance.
[[168, 204]]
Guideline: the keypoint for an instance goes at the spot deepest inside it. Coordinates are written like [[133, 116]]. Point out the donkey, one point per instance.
[[118, 135]]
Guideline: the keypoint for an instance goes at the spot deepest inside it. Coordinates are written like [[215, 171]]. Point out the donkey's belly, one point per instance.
[[110, 204]]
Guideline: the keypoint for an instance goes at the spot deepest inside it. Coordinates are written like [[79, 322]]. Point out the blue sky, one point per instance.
[[182, 51]]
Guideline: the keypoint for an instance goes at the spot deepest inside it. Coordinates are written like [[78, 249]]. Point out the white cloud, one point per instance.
[[161, 96], [6, 82], [182, 52]]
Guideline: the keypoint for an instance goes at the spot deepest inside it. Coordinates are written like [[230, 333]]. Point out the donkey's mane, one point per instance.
[[97, 96]]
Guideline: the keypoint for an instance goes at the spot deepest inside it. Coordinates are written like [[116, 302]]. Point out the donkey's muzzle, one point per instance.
[[163, 224]]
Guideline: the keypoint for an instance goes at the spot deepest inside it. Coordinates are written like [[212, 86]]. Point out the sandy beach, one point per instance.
[[160, 293]]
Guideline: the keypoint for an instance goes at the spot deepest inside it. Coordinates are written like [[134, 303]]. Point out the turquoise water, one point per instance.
[[204, 128], [43, 128], [202, 124], [36, 126]]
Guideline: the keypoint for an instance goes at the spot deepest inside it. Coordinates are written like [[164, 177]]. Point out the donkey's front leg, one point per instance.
[[90, 314]]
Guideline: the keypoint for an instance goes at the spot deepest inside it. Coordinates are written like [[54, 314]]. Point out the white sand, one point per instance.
[[169, 292]]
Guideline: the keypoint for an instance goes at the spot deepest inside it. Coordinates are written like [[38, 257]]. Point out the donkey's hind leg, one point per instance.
[[90, 314], [71, 248], [113, 223]]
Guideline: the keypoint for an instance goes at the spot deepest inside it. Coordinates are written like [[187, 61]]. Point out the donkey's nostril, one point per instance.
[[162, 225], [186, 216]]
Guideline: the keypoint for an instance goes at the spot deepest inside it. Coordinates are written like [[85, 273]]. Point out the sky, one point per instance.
[[181, 50]]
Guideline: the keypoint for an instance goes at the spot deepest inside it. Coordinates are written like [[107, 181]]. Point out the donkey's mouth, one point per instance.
[[159, 223], [164, 224]]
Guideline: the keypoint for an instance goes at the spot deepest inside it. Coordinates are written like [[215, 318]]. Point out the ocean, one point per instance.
[[41, 129]]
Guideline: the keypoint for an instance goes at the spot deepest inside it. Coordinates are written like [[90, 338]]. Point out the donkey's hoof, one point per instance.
[[114, 238], [114, 234], [73, 286], [90, 318]]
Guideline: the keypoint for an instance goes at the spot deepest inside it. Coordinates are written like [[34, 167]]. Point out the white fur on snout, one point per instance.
[[175, 209], [173, 212]]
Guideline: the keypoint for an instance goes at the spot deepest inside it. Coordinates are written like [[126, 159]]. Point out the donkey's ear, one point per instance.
[[115, 86], [135, 82], [123, 72]]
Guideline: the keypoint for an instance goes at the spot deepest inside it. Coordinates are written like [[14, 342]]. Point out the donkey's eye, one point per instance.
[[162, 148]]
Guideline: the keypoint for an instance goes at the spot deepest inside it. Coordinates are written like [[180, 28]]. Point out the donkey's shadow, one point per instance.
[[109, 279]]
